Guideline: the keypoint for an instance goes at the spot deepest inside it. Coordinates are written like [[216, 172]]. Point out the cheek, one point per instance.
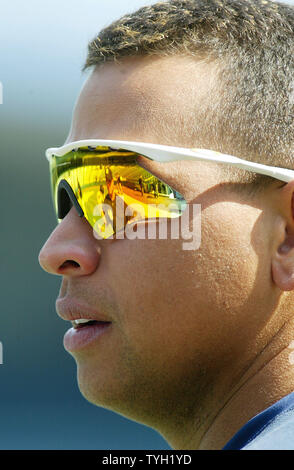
[[176, 301], [155, 296]]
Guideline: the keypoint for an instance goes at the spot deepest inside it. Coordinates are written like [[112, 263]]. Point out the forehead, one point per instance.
[[151, 99]]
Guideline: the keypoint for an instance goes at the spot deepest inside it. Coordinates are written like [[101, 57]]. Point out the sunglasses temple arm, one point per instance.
[[283, 174]]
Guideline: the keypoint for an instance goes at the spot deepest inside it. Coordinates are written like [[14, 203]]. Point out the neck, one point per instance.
[[268, 378]]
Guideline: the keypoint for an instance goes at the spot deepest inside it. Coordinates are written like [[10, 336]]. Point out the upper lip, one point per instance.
[[69, 309]]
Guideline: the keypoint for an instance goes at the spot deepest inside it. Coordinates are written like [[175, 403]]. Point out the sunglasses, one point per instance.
[[104, 182]]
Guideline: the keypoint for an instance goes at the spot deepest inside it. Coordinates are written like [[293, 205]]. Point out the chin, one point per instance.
[[101, 386], [114, 393], [94, 385]]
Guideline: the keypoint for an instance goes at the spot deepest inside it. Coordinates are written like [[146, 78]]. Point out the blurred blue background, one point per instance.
[[44, 45]]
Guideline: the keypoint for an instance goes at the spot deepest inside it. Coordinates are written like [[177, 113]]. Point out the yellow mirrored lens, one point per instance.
[[100, 177]]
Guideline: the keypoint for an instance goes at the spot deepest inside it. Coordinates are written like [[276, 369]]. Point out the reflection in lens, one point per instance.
[[101, 176]]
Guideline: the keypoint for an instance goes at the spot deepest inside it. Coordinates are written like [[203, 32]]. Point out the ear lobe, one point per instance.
[[283, 264], [283, 232], [283, 274]]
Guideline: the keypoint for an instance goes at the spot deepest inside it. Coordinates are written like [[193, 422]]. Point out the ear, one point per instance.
[[283, 256]]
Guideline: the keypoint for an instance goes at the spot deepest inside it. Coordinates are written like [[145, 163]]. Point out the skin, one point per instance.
[[199, 341]]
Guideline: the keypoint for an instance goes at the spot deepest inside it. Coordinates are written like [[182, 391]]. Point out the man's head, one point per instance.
[[185, 325], [247, 106]]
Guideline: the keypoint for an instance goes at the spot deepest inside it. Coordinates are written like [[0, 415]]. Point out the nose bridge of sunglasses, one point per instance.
[[66, 199]]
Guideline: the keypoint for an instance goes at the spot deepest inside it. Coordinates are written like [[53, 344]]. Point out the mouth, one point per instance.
[[82, 322], [78, 313], [87, 327], [85, 335]]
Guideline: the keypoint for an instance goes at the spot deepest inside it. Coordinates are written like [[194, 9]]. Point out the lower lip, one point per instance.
[[77, 338]]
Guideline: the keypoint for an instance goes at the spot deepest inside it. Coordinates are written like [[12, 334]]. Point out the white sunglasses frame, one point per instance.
[[165, 153]]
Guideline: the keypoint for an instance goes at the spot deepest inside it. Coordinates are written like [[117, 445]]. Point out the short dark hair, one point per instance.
[[252, 43]]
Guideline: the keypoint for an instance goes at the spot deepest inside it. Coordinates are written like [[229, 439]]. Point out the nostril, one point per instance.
[[69, 264]]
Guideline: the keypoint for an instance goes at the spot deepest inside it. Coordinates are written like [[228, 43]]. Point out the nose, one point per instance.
[[71, 248]]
